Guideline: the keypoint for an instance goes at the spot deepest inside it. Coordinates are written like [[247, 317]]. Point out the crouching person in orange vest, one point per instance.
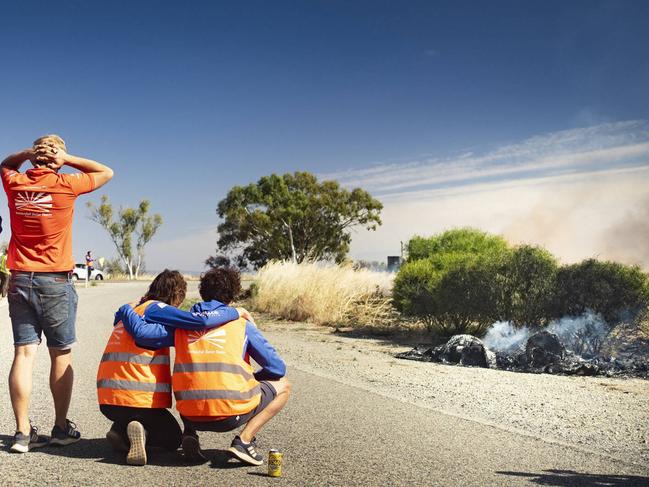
[[134, 383], [215, 386]]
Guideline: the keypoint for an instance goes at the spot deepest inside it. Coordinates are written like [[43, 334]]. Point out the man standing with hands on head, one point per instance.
[[42, 298]]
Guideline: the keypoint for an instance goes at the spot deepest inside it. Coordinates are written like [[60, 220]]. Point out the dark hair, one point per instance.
[[220, 283], [169, 287]]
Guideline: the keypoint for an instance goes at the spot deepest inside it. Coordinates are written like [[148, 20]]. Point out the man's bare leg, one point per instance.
[[283, 388], [20, 384], [61, 379]]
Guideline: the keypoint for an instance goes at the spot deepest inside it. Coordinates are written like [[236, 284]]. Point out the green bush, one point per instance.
[[450, 299], [611, 289], [458, 240], [525, 286], [114, 266], [449, 280], [463, 280]]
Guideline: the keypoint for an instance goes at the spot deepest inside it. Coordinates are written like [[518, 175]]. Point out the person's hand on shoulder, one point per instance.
[[119, 314], [245, 314]]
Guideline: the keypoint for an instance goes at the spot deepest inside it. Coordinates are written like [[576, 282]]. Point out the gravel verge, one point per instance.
[[601, 415]]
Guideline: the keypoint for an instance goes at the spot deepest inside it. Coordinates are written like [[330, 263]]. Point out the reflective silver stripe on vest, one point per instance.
[[212, 367], [127, 385], [216, 394], [134, 358]]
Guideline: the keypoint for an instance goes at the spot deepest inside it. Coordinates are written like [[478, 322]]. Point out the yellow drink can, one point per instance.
[[275, 463]]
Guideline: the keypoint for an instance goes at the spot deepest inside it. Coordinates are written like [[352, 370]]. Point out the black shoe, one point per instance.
[[246, 452], [23, 443], [137, 436], [62, 437], [192, 450], [117, 441]]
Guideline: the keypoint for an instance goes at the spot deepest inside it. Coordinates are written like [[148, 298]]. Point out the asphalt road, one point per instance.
[[330, 433]]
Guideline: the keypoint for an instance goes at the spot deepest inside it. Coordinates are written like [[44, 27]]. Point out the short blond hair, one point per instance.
[[51, 138]]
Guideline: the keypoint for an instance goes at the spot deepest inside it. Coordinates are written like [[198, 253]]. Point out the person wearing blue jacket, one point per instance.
[[157, 329]]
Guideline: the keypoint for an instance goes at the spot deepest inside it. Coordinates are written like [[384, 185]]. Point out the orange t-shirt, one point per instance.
[[41, 208]]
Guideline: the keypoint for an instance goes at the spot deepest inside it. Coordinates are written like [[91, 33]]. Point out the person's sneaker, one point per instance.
[[23, 443], [137, 436], [117, 441], [62, 437], [246, 452], [192, 450]]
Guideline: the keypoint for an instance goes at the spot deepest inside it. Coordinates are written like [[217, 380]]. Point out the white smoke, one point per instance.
[[503, 337], [582, 335]]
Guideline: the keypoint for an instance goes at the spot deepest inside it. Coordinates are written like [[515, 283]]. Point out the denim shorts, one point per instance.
[[43, 303]]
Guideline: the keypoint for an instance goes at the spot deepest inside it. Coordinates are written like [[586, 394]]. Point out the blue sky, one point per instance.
[[437, 108]]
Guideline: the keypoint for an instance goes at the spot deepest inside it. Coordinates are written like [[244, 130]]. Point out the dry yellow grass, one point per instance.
[[323, 294]]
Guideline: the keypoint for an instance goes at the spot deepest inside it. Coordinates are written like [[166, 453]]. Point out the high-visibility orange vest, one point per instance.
[[132, 376], [211, 376]]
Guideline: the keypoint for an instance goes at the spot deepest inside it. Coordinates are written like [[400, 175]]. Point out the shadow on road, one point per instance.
[[223, 459], [6, 441], [570, 478], [99, 449]]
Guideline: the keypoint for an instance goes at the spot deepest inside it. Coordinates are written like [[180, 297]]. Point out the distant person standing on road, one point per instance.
[[42, 298], [90, 264]]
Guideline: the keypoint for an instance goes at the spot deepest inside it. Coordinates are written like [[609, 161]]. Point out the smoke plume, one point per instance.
[[582, 335], [626, 240]]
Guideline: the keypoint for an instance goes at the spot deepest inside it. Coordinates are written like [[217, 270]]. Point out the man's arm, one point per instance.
[[262, 352], [99, 172], [14, 161], [194, 320], [57, 157], [145, 334]]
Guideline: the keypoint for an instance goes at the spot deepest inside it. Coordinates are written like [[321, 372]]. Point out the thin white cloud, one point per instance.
[[616, 144], [566, 177]]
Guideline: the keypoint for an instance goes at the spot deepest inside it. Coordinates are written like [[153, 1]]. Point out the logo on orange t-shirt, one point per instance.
[[34, 203]]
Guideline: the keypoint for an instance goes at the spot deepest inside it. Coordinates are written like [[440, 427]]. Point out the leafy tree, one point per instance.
[[217, 261], [130, 221], [293, 217], [238, 262]]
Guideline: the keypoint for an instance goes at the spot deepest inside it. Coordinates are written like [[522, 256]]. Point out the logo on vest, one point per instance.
[[116, 336], [33, 204], [214, 338]]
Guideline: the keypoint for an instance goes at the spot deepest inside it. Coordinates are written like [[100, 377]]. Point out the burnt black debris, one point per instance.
[[543, 353], [460, 349], [544, 349]]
